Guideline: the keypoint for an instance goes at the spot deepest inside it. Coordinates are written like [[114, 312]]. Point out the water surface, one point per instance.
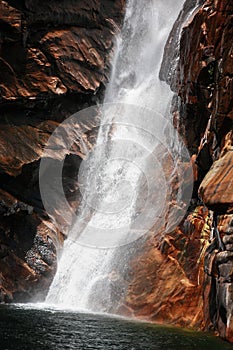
[[24, 328]]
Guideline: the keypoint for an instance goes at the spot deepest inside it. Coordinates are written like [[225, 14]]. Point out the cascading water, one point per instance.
[[84, 277]]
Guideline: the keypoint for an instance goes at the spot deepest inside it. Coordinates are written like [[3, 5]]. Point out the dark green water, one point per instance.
[[34, 329]]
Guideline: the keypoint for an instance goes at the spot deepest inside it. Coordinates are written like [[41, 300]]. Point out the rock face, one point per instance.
[[166, 281], [196, 259], [54, 61], [216, 188], [206, 65], [203, 115]]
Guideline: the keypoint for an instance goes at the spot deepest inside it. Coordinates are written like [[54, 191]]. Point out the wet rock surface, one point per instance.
[[169, 280], [216, 188], [54, 61], [210, 80], [166, 281], [204, 83]]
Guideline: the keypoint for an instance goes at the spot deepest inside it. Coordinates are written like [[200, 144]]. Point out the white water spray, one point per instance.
[[113, 180]]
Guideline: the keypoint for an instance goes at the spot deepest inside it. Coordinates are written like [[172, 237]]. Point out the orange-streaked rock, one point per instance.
[[166, 278], [216, 190]]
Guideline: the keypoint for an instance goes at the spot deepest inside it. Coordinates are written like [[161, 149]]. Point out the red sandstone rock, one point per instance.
[[54, 61], [166, 279], [203, 115], [79, 56], [205, 72], [216, 189]]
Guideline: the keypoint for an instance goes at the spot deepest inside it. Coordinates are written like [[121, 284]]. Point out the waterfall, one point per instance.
[[135, 122]]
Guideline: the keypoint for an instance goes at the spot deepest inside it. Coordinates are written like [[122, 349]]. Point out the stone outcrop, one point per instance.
[[205, 119], [166, 280], [54, 61], [216, 188], [186, 279], [206, 95]]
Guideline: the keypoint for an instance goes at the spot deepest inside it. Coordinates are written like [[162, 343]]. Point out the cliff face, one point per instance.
[[189, 274], [54, 61], [206, 118]]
